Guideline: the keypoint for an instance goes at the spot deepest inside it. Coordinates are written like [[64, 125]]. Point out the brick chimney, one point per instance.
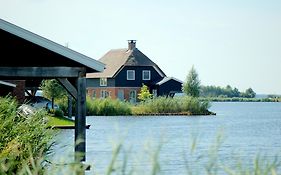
[[131, 44]]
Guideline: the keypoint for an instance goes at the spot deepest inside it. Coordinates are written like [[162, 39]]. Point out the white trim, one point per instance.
[[134, 73], [149, 74], [158, 71], [8, 84], [50, 45], [166, 79]]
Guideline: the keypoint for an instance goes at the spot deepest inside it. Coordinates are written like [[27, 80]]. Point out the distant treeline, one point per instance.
[[225, 92]]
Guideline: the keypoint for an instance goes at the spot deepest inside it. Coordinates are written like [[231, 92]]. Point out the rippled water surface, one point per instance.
[[246, 129]]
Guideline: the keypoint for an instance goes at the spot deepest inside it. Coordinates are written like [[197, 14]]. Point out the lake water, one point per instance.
[[246, 129]]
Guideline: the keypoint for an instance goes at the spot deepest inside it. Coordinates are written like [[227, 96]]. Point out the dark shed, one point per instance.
[[166, 84], [30, 57]]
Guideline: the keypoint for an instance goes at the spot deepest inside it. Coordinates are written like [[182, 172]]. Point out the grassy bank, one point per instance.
[[54, 121], [239, 99], [24, 139], [157, 106]]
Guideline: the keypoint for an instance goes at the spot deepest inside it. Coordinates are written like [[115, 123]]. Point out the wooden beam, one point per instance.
[[40, 72], [69, 87], [69, 106], [80, 121]]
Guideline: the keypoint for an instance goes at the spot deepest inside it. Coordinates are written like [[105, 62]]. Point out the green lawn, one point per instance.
[[59, 121]]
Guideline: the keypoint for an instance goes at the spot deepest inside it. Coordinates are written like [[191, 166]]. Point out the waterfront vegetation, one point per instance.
[[24, 139], [239, 99], [164, 106], [156, 106]]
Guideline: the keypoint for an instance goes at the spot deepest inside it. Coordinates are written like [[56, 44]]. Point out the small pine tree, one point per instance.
[[144, 93]]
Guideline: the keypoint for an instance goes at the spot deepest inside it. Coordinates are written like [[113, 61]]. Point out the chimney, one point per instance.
[[131, 44]]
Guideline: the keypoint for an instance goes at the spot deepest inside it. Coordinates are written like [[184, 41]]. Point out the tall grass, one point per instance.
[[24, 139], [179, 105], [107, 107]]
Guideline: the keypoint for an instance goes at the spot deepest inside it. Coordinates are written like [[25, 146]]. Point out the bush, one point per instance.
[[57, 112]]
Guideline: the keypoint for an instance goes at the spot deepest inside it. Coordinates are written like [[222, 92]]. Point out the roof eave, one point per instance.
[[50, 45]]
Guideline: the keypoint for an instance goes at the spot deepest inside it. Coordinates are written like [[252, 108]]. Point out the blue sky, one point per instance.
[[235, 42]]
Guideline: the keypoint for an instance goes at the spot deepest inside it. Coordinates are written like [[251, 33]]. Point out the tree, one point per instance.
[[52, 89], [249, 93], [144, 93], [192, 85]]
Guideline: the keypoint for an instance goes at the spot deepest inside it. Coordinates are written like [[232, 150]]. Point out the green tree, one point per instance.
[[52, 89], [249, 93], [192, 85], [144, 93]]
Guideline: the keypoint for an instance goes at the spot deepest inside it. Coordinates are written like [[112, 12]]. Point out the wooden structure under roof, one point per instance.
[[30, 57]]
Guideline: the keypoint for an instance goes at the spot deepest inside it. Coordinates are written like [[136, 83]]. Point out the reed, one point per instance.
[[179, 105], [24, 139]]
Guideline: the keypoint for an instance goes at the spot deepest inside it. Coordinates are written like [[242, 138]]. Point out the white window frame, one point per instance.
[[103, 81], [133, 73], [149, 74]]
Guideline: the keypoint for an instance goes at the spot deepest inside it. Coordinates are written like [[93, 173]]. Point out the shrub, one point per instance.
[[57, 112]]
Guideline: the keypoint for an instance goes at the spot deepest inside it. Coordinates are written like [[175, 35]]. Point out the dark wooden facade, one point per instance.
[[165, 88]]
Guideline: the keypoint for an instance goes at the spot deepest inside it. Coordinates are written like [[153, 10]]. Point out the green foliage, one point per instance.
[[52, 89], [56, 112], [63, 105], [107, 107], [249, 93], [144, 93], [192, 85], [227, 92], [162, 105], [23, 139]]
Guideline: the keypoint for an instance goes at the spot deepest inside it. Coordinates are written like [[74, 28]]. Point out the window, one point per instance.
[[132, 96], [103, 81], [104, 94], [130, 75], [146, 75], [94, 94]]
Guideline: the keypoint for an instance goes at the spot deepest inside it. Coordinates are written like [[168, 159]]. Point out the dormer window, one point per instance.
[[103, 81], [130, 74], [146, 75]]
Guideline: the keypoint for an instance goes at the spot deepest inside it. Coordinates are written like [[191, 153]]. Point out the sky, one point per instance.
[[229, 42]]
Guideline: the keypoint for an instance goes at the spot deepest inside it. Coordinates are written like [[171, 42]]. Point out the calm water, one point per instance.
[[246, 128]]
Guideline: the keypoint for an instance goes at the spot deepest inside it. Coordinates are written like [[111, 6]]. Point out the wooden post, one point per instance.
[[69, 108], [80, 121]]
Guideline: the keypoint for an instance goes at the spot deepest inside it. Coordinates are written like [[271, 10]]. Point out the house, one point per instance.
[[125, 72]]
